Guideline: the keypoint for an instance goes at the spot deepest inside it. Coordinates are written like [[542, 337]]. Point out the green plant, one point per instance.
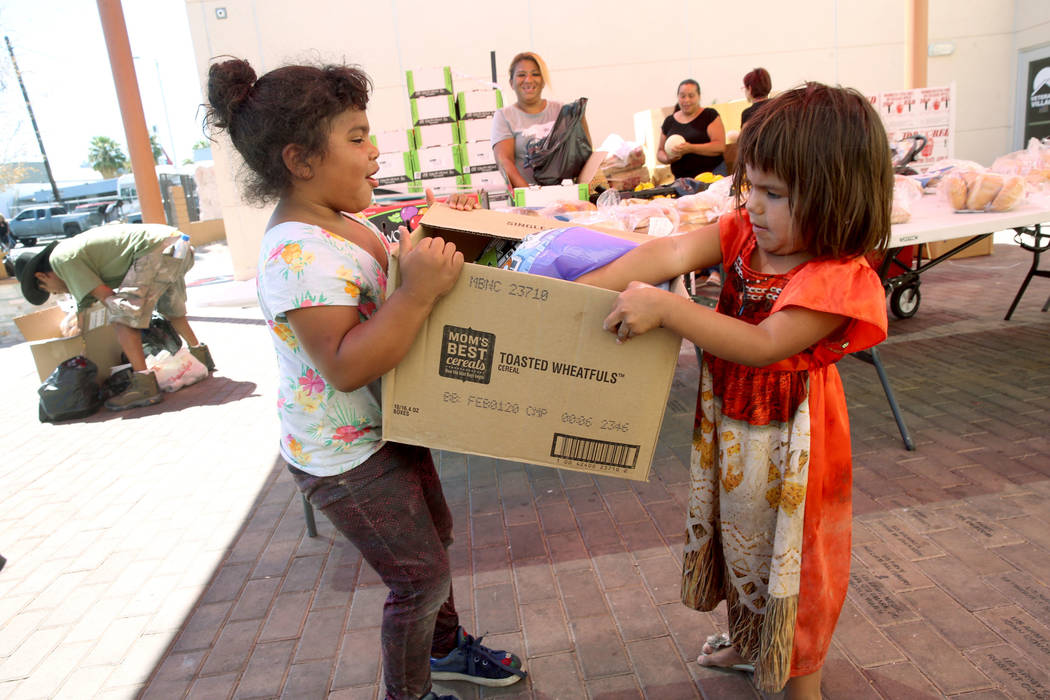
[[158, 150], [106, 156]]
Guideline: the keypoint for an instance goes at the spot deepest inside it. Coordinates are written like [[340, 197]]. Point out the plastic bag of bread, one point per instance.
[[1033, 163], [698, 209], [935, 172], [566, 206], [985, 191], [656, 217], [906, 191]]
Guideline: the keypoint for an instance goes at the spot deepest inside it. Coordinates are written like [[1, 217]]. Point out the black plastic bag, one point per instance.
[[563, 152], [71, 391], [117, 383], [160, 335]]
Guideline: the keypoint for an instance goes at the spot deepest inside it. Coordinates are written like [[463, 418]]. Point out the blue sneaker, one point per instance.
[[471, 661], [432, 696]]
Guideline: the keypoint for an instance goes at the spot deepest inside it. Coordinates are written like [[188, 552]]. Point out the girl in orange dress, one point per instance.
[[768, 526]]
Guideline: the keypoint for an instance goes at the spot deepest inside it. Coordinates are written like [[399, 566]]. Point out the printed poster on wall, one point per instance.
[[928, 111], [1037, 104]]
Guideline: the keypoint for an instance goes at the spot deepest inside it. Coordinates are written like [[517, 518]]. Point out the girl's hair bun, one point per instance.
[[229, 84]]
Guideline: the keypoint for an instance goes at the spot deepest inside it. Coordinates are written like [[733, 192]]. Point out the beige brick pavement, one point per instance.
[[162, 552]]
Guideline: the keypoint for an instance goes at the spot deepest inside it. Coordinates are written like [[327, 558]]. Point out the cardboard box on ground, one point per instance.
[[97, 342], [937, 248], [517, 366]]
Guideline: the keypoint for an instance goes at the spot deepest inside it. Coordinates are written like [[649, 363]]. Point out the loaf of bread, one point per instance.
[[1010, 195], [899, 214], [955, 189], [984, 189], [969, 177]]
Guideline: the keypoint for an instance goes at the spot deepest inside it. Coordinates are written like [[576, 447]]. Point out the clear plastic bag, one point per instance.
[[644, 216], [906, 191], [1032, 163], [563, 207], [981, 190]]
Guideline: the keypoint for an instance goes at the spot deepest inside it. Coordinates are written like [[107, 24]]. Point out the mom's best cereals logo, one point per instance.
[[466, 354]]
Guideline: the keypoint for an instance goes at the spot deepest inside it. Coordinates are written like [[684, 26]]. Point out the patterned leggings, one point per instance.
[[392, 508]]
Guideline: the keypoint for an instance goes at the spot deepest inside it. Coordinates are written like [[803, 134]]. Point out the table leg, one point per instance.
[[308, 512], [871, 356]]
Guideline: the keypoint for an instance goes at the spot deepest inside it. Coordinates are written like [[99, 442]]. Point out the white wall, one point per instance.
[[625, 57]]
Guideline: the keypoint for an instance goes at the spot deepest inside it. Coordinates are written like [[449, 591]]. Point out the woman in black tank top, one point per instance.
[[702, 129]]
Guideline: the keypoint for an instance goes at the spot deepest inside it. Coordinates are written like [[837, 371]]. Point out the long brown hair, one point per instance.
[[830, 148]]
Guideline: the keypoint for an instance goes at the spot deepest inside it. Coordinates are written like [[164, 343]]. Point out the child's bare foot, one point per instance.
[[718, 652]]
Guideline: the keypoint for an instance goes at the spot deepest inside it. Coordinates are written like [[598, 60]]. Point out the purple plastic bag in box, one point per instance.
[[567, 253]]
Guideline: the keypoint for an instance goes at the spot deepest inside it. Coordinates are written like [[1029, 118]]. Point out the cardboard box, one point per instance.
[[475, 130], [477, 157], [478, 104], [439, 109], [441, 186], [426, 82], [517, 366], [396, 168], [441, 161], [484, 180], [98, 342], [537, 196], [396, 141], [937, 248], [433, 135]]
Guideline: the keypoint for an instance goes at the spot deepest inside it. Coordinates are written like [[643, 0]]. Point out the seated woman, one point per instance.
[[703, 133], [757, 86], [529, 119]]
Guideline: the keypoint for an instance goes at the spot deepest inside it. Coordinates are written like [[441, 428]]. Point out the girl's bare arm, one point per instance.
[[660, 259], [641, 308], [351, 353]]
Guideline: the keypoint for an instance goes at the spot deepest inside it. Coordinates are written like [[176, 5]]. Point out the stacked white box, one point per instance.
[[395, 141], [478, 104], [475, 130], [431, 135], [440, 161], [426, 82], [438, 109], [398, 172]]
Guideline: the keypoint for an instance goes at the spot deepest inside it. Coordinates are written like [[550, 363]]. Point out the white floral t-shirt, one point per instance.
[[324, 431]]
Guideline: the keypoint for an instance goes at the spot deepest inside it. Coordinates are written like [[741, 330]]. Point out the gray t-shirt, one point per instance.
[[512, 122]]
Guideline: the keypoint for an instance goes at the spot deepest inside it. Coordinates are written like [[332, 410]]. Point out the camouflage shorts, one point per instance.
[[157, 280]]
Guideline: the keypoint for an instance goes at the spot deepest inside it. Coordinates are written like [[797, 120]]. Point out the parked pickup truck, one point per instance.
[[50, 220]]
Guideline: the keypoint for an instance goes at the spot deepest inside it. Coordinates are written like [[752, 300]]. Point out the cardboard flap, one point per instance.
[[41, 325], [499, 224]]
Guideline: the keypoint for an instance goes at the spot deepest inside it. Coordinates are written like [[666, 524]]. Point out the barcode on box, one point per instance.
[[579, 449]]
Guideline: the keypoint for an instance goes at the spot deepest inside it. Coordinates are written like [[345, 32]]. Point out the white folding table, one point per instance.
[[932, 220]]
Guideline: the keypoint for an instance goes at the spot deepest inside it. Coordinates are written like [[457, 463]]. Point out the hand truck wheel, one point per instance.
[[904, 301]]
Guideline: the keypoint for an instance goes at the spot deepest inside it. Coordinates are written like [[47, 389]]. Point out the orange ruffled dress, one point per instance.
[[769, 520]]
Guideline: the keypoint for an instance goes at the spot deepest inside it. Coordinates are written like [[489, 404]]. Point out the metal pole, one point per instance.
[[32, 118], [917, 32], [142, 166]]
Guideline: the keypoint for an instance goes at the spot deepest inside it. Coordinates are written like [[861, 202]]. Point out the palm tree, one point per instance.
[[106, 156], [159, 154]]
